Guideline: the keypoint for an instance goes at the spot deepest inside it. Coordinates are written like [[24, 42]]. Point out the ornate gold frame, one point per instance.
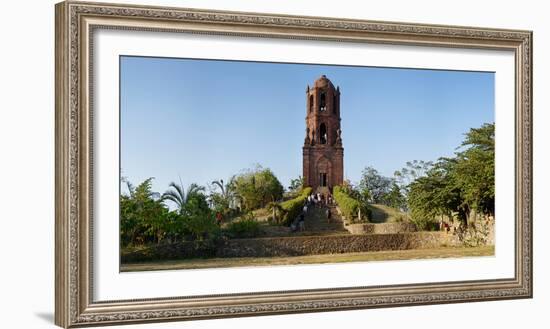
[[75, 23]]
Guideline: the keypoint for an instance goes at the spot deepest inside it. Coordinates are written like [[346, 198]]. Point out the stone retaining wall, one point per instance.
[[295, 246], [335, 244], [380, 228], [181, 250]]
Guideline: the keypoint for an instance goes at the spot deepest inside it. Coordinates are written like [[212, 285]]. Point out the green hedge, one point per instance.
[[350, 206], [244, 228], [293, 207]]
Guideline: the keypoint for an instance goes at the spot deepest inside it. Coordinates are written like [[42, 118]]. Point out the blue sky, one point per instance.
[[202, 120]]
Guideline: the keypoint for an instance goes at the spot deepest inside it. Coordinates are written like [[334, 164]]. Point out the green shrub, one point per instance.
[[293, 207], [350, 206], [257, 187], [244, 228], [422, 222]]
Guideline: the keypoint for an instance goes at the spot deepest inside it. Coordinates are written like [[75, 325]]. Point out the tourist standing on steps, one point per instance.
[[301, 223], [319, 199], [327, 212]]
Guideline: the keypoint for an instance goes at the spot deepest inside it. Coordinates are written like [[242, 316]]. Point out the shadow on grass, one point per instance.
[[378, 215]]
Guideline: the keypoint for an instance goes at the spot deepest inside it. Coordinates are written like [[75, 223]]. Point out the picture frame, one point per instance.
[[76, 22]]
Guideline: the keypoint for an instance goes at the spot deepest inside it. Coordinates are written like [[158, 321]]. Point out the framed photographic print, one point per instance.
[[218, 164]]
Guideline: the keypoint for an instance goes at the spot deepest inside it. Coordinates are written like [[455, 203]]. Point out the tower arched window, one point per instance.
[[323, 102], [323, 134], [310, 103]]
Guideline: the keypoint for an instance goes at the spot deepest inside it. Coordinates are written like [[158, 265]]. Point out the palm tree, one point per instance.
[[179, 196], [223, 188], [275, 207], [227, 191]]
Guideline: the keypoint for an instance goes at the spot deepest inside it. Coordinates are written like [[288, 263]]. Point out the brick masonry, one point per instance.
[[323, 151]]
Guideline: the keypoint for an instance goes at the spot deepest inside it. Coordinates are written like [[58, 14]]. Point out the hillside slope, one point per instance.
[[384, 214]]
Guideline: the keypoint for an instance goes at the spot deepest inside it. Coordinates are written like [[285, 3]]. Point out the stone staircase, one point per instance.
[[316, 221]]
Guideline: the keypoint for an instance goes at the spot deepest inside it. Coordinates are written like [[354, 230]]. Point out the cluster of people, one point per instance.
[[319, 200], [314, 200]]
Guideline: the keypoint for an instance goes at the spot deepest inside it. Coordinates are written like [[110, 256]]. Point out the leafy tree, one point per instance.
[[422, 200], [268, 186], [460, 185], [296, 185], [176, 226], [145, 218], [255, 188], [394, 198], [374, 186], [199, 221], [434, 194], [411, 172], [142, 215], [475, 169], [129, 220]]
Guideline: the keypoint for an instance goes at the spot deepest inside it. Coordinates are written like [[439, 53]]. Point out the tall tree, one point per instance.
[[142, 214], [296, 185], [257, 187], [411, 172], [179, 196], [475, 169], [459, 186], [199, 221], [222, 196], [374, 185], [394, 198]]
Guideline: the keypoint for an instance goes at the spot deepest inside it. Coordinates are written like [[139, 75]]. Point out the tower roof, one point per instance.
[[323, 82]]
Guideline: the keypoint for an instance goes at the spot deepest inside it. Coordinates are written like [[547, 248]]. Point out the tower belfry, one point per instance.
[[323, 153]]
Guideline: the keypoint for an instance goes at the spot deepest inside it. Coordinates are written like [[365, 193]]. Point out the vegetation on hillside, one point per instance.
[[458, 186], [191, 214], [145, 217], [423, 192], [293, 207], [452, 188], [350, 205]]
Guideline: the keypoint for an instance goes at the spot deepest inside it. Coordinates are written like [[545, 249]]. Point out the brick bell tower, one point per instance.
[[323, 153]]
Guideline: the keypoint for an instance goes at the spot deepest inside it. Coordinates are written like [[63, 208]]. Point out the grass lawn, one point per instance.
[[444, 252], [384, 214]]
